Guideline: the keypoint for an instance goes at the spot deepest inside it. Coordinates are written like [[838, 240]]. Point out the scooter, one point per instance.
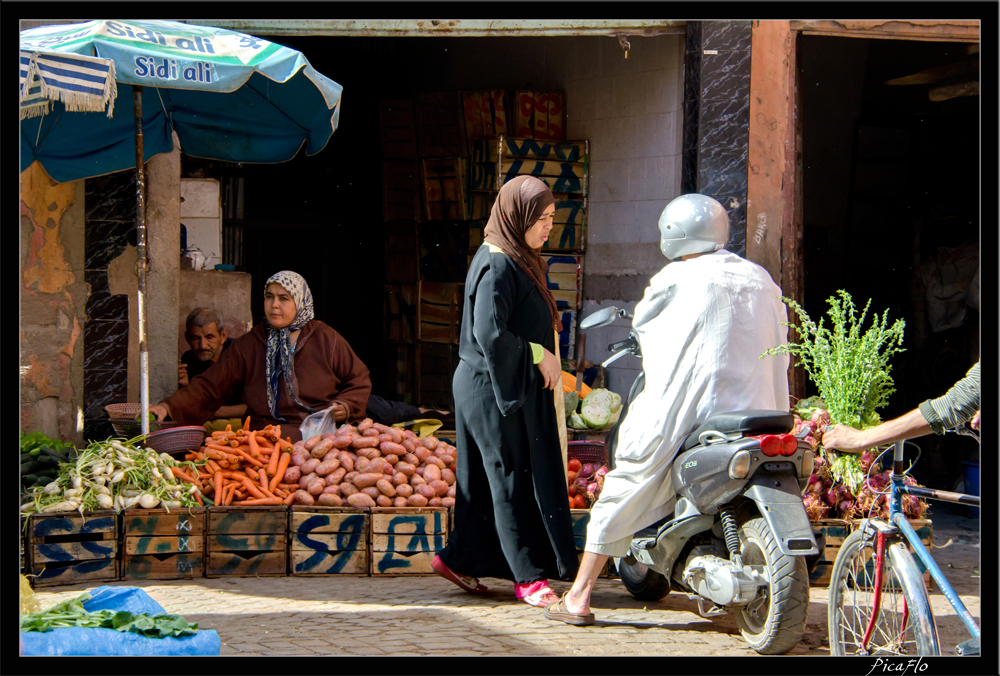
[[739, 535]]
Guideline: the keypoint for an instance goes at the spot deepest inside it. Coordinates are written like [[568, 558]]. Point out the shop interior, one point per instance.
[[891, 194], [323, 215]]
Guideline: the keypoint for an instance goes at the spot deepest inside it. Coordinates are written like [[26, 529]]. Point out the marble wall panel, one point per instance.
[[105, 241], [723, 171], [95, 429], [102, 387], [737, 223], [111, 197], [726, 35], [105, 345], [101, 305], [725, 75], [725, 123]]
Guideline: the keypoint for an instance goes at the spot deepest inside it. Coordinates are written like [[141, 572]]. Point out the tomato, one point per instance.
[[574, 465], [579, 502], [572, 491], [571, 476]]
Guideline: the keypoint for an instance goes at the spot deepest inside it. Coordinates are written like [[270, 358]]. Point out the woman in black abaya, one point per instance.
[[512, 514]]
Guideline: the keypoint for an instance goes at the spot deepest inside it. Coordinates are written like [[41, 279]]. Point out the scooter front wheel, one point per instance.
[[641, 581], [773, 623]]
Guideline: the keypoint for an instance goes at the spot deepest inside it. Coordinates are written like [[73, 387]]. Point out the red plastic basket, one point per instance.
[[587, 451]]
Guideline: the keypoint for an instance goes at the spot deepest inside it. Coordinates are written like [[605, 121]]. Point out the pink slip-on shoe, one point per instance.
[[469, 584], [537, 593]]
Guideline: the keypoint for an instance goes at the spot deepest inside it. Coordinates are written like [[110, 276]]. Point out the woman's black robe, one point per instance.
[[512, 514]]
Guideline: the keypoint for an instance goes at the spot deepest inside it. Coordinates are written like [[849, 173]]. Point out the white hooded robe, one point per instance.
[[702, 326]]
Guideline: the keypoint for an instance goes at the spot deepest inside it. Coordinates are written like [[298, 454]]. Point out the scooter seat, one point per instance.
[[755, 421]]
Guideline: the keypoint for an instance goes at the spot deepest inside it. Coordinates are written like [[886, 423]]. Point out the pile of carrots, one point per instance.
[[243, 467]]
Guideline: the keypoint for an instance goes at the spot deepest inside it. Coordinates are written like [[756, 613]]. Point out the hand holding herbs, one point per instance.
[[71, 613], [115, 474], [851, 370]]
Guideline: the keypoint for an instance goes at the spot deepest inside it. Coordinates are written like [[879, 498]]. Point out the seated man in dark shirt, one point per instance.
[[207, 336]]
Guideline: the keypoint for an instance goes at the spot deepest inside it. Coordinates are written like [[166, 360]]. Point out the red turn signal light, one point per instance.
[[773, 445]]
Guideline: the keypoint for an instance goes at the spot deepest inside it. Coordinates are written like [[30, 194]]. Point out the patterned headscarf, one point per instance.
[[280, 359], [518, 206]]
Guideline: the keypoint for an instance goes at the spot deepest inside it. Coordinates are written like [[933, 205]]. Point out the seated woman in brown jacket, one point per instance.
[[289, 366]]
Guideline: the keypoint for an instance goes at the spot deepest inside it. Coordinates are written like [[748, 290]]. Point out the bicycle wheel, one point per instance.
[[903, 624]]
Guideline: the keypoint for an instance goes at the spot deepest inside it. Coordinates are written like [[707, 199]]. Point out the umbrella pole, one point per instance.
[[141, 264]]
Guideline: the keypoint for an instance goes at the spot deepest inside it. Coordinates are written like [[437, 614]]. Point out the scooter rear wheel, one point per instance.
[[642, 582], [774, 622]]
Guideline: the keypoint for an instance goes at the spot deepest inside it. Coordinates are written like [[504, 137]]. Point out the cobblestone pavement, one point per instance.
[[423, 616]]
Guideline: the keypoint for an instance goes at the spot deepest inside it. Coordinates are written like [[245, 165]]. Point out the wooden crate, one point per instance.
[[402, 261], [485, 113], [247, 541], [68, 548], [401, 188], [567, 334], [444, 183], [440, 125], [162, 545], [400, 315], [442, 248], [405, 540], [540, 115], [483, 166], [569, 225], [565, 280], [400, 371], [436, 364], [398, 129], [439, 311], [835, 531], [561, 165], [328, 541]]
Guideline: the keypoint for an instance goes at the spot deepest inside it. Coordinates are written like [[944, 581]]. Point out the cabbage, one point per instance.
[[571, 400], [595, 414], [615, 414], [576, 422], [616, 402], [599, 395]]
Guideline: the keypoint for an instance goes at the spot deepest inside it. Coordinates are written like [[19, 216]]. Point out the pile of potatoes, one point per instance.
[[371, 465]]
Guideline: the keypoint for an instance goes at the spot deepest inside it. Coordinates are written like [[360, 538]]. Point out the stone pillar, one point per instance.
[[53, 296], [717, 118], [163, 237]]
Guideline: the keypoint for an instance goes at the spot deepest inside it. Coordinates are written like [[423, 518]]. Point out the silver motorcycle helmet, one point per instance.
[[693, 224]]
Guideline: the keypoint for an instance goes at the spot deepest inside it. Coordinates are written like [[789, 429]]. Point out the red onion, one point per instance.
[[587, 470]]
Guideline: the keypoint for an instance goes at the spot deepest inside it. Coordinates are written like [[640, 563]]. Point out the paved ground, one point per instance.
[[429, 616]]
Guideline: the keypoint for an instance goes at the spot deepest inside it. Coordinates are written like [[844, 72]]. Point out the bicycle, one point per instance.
[[878, 601]]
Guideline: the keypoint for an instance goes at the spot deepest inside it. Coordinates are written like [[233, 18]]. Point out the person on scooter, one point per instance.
[[702, 326]]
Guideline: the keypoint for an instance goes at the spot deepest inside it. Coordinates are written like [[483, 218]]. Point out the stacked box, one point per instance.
[[400, 371], [439, 311], [444, 188], [405, 540], [247, 541], [68, 548], [400, 315], [485, 113], [565, 282], [540, 115], [401, 188], [440, 123], [436, 364], [399, 135], [328, 540], [162, 545], [402, 263]]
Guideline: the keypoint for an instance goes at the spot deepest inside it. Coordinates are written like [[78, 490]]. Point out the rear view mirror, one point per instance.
[[602, 317]]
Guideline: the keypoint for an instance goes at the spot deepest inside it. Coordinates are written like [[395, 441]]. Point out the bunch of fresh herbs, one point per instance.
[[849, 367]]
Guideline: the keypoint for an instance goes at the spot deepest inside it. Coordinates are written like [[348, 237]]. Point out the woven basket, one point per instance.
[[177, 439], [587, 451], [133, 428], [123, 411]]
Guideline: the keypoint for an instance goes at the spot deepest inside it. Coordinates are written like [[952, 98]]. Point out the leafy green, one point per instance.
[[850, 368], [36, 440], [71, 613]]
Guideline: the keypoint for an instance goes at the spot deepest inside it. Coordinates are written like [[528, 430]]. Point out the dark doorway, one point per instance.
[[891, 209]]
